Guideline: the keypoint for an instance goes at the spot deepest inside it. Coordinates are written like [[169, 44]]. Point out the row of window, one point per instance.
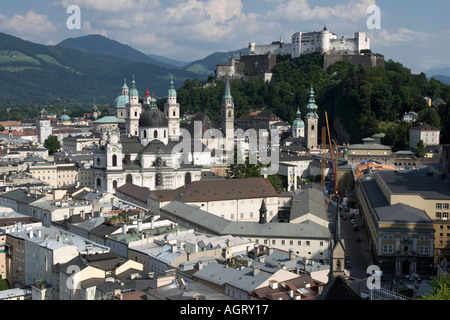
[[291, 242], [442, 205], [389, 248], [441, 215]]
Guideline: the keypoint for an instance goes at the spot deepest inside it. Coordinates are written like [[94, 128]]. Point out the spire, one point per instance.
[[133, 91], [312, 106], [263, 213], [172, 92], [227, 93]]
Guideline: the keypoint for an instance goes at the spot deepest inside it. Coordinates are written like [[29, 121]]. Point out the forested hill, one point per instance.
[[31, 73], [360, 101]]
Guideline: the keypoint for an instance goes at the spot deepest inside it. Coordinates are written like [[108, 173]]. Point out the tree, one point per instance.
[[3, 284], [52, 144], [420, 150], [441, 288]]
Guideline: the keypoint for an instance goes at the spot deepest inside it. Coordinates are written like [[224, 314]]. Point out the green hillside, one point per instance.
[[36, 74], [360, 101]]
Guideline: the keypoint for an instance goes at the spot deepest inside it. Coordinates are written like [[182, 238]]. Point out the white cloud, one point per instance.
[[294, 10], [30, 24], [102, 5]]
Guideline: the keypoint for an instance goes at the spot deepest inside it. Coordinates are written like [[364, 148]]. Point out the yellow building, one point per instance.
[[55, 174], [422, 193]]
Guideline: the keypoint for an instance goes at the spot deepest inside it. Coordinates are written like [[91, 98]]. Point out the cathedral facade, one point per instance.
[[152, 152]]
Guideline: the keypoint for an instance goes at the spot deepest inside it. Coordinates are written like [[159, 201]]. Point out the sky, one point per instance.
[[415, 33]]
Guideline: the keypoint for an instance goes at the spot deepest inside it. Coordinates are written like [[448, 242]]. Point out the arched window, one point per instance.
[[98, 161], [135, 113], [187, 178], [115, 184], [229, 114], [99, 183], [165, 134], [145, 134], [114, 160], [312, 127], [159, 180], [174, 113], [129, 178], [155, 134]]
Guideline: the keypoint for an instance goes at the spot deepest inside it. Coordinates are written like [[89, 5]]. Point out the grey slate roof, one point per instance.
[[308, 201], [220, 226], [400, 212], [415, 182]]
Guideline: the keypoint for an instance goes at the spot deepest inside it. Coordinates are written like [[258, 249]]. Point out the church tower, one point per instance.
[[312, 122], [134, 109], [172, 111], [298, 127], [228, 117]]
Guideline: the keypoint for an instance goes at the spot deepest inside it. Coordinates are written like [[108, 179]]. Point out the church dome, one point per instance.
[[153, 118], [121, 102]]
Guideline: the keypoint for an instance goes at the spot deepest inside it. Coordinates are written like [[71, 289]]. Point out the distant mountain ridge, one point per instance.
[[207, 66], [32, 73], [101, 44]]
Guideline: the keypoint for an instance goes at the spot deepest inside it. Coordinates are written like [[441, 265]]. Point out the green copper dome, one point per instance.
[[312, 106], [133, 91], [121, 102], [298, 122], [172, 92]]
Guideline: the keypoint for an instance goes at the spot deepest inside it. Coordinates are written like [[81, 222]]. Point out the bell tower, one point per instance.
[[172, 111], [311, 122], [228, 118]]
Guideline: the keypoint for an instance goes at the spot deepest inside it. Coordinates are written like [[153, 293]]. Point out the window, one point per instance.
[[155, 134], [388, 248], [308, 243], [424, 249], [438, 215], [274, 241], [445, 206], [299, 243], [438, 205], [114, 160]]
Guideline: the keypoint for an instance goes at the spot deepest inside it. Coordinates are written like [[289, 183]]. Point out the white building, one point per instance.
[[428, 134], [322, 41]]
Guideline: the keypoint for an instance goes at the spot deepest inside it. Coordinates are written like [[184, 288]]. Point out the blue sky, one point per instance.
[[415, 33]]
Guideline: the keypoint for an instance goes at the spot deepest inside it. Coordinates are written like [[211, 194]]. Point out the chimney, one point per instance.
[[255, 270], [291, 254], [256, 251], [152, 222], [124, 228], [31, 234], [273, 284], [139, 225]]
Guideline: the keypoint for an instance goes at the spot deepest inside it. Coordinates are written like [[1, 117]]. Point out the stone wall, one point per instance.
[[372, 60]]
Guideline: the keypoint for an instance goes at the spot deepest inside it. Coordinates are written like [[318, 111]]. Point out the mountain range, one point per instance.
[[84, 69], [441, 74]]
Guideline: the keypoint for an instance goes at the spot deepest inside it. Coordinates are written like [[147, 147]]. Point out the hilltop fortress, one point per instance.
[[262, 58]]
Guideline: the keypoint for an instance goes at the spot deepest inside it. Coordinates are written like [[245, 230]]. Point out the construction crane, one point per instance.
[[331, 152], [323, 161]]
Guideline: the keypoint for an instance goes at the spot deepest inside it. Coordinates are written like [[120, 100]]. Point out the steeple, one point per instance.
[[312, 106], [172, 92], [263, 213], [227, 93]]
